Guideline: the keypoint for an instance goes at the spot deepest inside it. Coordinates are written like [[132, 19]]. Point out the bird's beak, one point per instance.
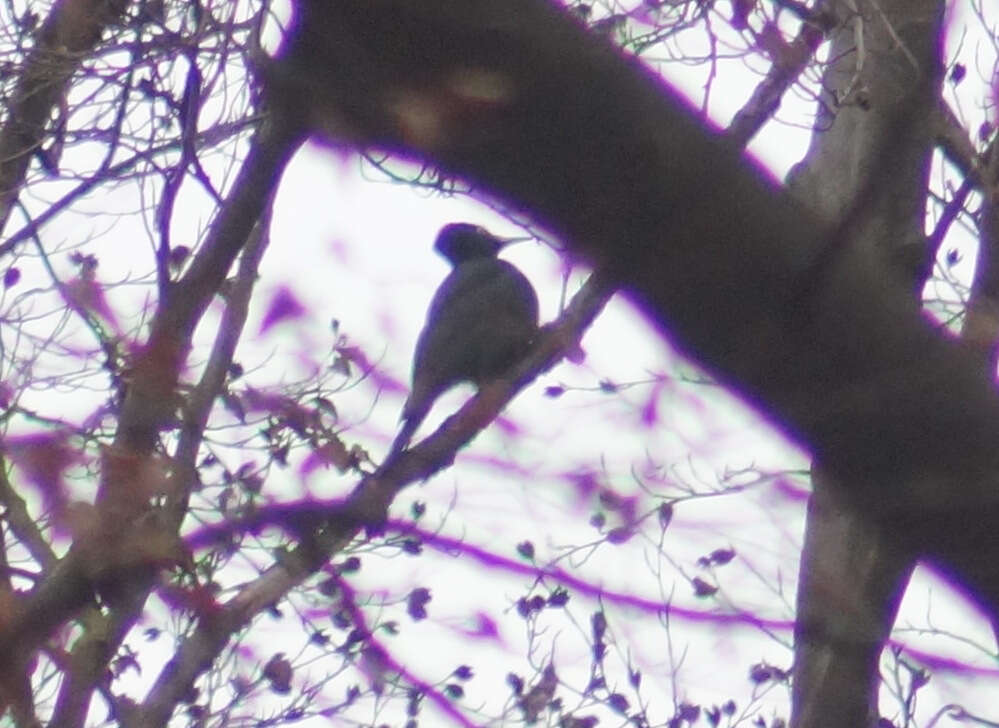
[[511, 241]]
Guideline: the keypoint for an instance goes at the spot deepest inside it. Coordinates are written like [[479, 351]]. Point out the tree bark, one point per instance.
[[870, 164]]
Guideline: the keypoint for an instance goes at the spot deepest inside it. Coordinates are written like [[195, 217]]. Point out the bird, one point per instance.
[[482, 318]]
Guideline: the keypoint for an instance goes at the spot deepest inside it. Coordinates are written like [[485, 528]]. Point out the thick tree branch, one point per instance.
[[149, 405], [521, 99], [101, 640], [981, 322], [953, 140], [852, 575]]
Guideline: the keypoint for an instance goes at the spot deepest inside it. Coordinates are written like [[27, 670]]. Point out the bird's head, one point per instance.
[[461, 241]]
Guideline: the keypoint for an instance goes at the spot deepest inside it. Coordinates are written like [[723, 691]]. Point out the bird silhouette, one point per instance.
[[482, 318]]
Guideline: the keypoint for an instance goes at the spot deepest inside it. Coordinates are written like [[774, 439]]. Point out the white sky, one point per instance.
[[360, 251]]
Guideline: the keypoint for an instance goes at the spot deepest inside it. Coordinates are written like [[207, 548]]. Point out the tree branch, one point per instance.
[[323, 534], [112, 558], [72, 29], [784, 71]]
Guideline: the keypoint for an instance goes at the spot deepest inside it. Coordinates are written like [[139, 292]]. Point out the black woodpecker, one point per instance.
[[481, 320]]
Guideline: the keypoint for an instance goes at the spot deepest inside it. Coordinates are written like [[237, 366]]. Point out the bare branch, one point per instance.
[[69, 33], [148, 407], [784, 71]]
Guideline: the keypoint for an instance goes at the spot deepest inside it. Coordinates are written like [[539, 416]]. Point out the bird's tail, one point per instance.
[[411, 418]]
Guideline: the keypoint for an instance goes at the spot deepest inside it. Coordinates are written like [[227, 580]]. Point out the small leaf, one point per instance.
[[634, 677], [278, 672], [618, 702], [761, 672], [283, 306], [559, 597], [350, 565], [331, 450], [703, 588], [689, 712], [416, 603], [526, 549], [665, 515], [597, 682], [622, 534], [720, 557], [340, 365], [412, 546], [526, 607], [599, 624], [324, 404], [571, 721], [540, 695], [610, 500]]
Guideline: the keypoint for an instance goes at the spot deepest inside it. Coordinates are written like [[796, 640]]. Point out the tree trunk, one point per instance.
[[867, 167]]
